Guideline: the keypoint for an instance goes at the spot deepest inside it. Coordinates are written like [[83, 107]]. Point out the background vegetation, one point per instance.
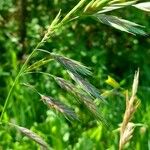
[[105, 50]]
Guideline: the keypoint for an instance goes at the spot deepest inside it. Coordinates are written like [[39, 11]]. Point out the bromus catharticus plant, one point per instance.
[[78, 72]]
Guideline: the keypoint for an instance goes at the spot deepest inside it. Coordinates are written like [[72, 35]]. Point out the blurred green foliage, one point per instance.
[[105, 50]]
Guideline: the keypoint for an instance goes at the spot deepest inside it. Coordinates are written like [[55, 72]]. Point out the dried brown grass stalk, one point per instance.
[[132, 103]]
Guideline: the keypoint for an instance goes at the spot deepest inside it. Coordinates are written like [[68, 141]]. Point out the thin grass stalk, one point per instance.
[[67, 17], [34, 50], [81, 97], [20, 73], [16, 80]]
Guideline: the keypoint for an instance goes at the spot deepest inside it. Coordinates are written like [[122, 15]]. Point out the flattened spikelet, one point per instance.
[[87, 86], [127, 134], [81, 97], [57, 105], [38, 64], [72, 65], [65, 84], [32, 135], [120, 24], [88, 102]]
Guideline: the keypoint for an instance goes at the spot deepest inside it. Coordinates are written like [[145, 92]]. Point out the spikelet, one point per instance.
[[38, 64], [115, 6], [72, 65], [86, 86], [127, 134], [65, 84], [94, 6], [120, 24], [30, 134], [81, 97], [57, 105], [51, 29]]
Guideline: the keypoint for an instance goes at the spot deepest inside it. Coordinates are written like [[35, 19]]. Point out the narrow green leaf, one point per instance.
[[38, 64]]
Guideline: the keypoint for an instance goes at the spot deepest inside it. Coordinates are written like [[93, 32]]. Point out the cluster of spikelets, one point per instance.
[[126, 128], [83, 91], [106, 6], [98, 9], [87, 92]]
